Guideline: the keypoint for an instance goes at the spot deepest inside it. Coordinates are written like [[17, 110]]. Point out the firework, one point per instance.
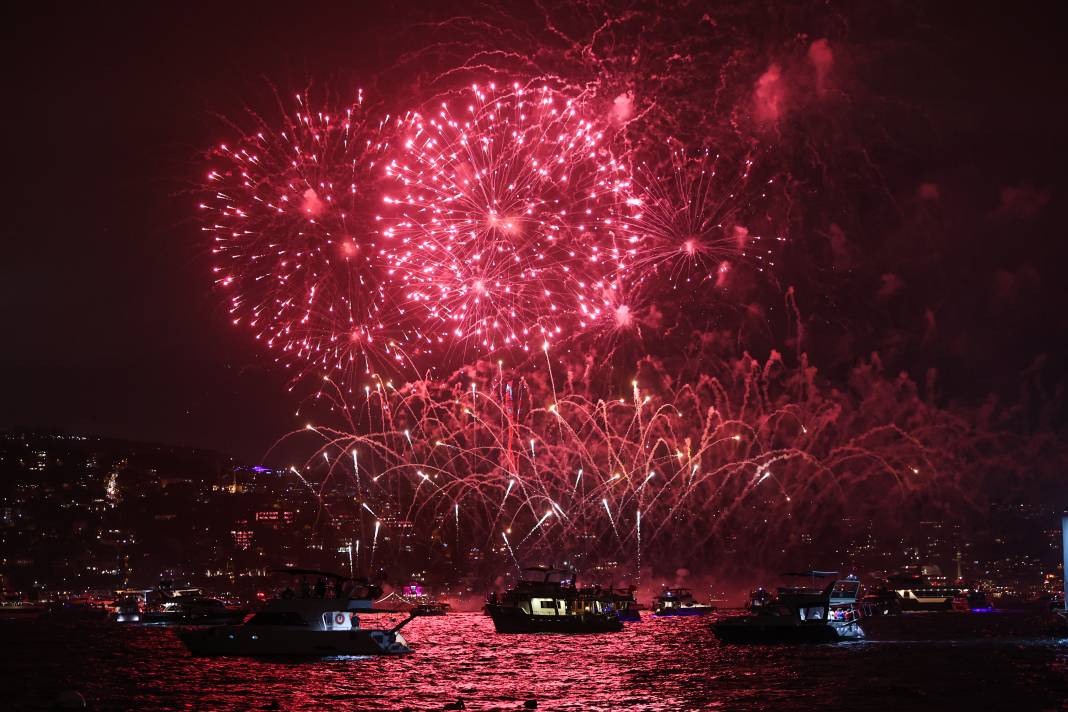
[[503, 222], [660, 474], [692, 227], [288, 206]]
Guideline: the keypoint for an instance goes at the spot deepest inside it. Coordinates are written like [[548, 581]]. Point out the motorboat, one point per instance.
[[546, 600], [680, 602], [169, 606], [412, 598], [432, 608], [626, 606], [319, 622], [799, 614], [192, 610]]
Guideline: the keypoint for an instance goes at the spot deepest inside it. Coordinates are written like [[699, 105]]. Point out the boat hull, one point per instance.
[[507, 619], [629, 615], [752, 631], [250, 641]]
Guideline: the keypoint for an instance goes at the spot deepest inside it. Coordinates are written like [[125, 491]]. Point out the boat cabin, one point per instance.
[[545, 591], [675, 598]]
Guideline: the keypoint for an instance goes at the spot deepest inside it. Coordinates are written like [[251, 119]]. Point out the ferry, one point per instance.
[[13, 610], [799, 614], [680, 602], [546, 600], [319, 622], [923, 588], [14, 606]]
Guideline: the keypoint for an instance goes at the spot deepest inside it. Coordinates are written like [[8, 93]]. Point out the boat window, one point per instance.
[[543, 606], [276, 618]]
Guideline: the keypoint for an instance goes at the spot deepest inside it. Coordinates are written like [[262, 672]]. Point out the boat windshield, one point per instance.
[[845, 591]]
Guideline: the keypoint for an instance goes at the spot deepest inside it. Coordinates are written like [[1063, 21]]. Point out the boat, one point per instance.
[[546, 600], [191, 608], [923, 588], [880, 602], [412, 598], [128, 606], [14, 610], [320, 622], [680, 602], [14, 606], [799, 614], [169, 606], [626, 606]]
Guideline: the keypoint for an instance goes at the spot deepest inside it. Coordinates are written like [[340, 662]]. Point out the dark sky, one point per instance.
[[109, 323]]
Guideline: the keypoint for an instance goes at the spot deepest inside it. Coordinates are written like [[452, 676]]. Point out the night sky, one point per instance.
[[953, 259]]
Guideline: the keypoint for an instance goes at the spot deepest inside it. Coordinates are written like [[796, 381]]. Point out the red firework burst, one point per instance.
[[290, 210], [503, 224]]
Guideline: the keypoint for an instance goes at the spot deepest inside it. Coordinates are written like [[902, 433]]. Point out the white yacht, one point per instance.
[[680, 602], [318, 623]]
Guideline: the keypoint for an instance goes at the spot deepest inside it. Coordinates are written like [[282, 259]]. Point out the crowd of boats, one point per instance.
[[317, 613]]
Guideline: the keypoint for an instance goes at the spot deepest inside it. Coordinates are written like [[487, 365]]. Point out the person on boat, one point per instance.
[[320, 588]]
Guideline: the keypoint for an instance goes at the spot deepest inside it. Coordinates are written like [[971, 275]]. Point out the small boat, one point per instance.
[[314, 624], [546, 600], [680, 602], [128, 607], [414, 597], [799, 615], [432, 608]]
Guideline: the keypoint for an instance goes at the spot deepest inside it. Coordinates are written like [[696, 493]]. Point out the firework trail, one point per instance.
[[671, 474]]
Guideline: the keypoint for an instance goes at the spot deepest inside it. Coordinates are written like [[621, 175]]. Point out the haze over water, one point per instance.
[[657, 664]]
